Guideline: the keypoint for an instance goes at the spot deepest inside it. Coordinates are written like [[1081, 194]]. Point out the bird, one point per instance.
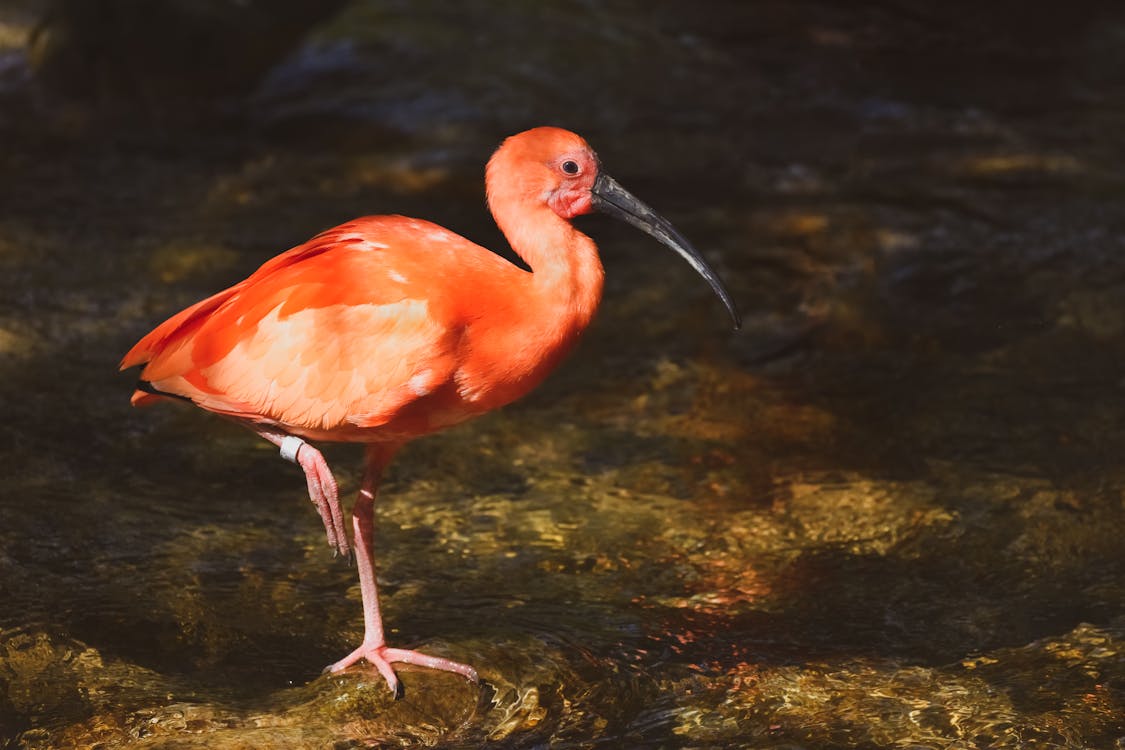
[[387, 328]]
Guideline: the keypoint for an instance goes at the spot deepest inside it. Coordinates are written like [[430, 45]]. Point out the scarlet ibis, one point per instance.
[[387, 328]]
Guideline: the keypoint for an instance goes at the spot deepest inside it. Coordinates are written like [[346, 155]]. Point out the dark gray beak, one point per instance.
[[610, 198]]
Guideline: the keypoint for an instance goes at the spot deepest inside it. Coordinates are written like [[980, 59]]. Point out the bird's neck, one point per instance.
[[567, 275], [521, 334]]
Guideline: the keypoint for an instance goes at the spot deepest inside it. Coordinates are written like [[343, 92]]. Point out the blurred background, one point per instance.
[[887, 513]]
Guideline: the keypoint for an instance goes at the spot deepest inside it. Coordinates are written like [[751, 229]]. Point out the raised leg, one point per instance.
[[322, 485], [374, 648]]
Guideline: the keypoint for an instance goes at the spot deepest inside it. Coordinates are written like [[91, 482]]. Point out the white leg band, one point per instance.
[[290, 444]]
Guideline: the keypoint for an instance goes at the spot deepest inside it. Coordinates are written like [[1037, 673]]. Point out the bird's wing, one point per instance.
[[338, 333], [184, 323]]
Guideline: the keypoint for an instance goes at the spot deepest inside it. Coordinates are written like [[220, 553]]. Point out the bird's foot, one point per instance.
[[382, 657], [326, 497]]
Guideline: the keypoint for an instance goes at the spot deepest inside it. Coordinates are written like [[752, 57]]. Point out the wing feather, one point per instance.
[[337, 335], [329, 335]]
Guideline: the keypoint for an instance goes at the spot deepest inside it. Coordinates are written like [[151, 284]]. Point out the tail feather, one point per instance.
[[147, 393]]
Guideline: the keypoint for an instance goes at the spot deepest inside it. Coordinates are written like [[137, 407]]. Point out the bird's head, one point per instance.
[[557, 168], [548, 166]]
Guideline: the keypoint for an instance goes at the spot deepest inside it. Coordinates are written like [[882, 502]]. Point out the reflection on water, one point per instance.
[[885, 515]]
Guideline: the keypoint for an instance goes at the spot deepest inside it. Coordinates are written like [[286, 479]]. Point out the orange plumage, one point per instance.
[[387, 328], [372, 330]]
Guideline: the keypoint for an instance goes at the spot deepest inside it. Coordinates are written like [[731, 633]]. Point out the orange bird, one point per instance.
[[387, 328]]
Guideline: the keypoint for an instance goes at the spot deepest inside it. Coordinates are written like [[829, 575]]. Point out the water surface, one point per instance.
[[885, 514]]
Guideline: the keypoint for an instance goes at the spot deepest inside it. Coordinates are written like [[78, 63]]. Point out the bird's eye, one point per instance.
[[570, 167]]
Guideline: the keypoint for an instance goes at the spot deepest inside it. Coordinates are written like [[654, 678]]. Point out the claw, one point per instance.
[[382, 657]]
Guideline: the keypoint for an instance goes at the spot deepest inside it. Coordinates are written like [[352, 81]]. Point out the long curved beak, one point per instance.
[[610, 198]]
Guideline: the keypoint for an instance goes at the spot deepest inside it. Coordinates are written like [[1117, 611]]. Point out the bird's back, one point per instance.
[[336, 338]]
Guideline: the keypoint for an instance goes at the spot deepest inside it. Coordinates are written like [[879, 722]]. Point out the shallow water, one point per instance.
[[885, 514]]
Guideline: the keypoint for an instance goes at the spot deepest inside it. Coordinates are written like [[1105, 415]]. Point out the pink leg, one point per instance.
[[374, 648], [322, 488], [325, 495]]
